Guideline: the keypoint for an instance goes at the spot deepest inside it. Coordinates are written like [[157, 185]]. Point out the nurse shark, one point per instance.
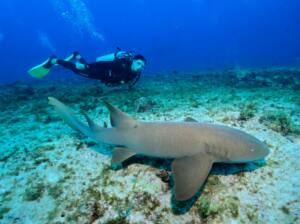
[[193, 146]]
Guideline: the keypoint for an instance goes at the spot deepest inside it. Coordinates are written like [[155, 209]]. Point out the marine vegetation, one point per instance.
[[280, 122]]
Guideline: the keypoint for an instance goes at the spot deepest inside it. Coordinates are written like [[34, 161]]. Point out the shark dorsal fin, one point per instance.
[[118, 118]]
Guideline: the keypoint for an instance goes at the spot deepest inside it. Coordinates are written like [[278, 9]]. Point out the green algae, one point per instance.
[[39, 154], [98, 195], [97, 212], [55, 191], [285, 210], [296, 100], [209, 208], [280, 122], [143, 201], [34, 192], [118, 220], [146, 202], [232, 204], [272, 162], [252, 215], [247, 112], [3, 211], [69, 172], [53, 214], [6, 196], [206, 208], [94, 193], [212, 185], [5, 156], [194, 103], [78, 210]]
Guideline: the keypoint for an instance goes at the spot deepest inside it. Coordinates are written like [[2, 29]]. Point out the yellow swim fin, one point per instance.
[[41, 70]]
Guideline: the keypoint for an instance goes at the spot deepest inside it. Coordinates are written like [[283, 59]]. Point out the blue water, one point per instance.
[[173, 35]]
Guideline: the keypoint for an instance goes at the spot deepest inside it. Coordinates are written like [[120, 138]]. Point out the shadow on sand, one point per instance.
[[181, 207]]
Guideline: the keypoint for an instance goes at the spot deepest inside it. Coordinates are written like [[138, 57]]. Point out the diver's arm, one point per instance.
[[107, 57], [118, 55]]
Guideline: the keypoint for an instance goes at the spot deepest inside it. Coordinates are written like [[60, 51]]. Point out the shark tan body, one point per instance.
[[194, 146]]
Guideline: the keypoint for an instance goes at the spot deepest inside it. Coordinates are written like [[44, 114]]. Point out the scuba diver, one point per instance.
[[114, 69]]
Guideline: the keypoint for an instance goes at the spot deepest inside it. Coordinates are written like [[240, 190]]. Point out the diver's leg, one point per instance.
[[81, 63], [49, 63], [76, 55], [72, 56], [69, 65], [80, 68], [81, 59]]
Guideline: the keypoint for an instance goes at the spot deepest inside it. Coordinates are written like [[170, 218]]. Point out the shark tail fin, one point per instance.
[[69, 117], [105, 135], [120, 119]]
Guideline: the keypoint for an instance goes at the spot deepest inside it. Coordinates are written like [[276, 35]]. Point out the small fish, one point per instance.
[[193, 146]]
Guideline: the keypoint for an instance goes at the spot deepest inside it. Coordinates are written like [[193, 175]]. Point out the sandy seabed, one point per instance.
[[51, 174]]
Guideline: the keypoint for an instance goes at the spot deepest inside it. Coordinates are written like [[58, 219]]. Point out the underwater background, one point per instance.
[[185, 35], [233, 63]]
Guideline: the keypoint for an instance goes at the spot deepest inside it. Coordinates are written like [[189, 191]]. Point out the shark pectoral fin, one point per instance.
[[190, 174], [121, 154]]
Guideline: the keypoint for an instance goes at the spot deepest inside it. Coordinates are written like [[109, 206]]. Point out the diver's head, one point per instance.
[[138, 63]]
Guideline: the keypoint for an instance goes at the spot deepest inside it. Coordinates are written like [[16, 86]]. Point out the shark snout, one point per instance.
[[265, 151], [260, 152]]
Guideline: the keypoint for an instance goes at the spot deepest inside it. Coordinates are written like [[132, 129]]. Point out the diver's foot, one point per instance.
[[41, 70], [81, 66], [50, 62], [73, 56]]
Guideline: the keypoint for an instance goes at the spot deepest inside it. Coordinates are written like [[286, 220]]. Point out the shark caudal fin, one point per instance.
[[94, 131], [69, 116], [107, 135]]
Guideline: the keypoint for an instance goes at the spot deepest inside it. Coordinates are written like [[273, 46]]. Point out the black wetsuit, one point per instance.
[[111, 73]]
